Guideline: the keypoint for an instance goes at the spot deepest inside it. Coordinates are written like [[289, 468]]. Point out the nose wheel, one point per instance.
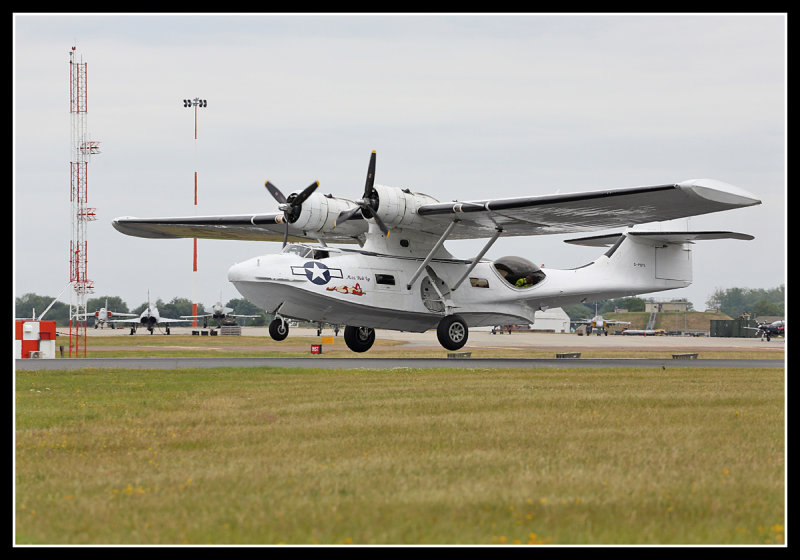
[[452, 332]]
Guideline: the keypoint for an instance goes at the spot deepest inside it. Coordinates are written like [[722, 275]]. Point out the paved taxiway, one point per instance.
[[557, 343]]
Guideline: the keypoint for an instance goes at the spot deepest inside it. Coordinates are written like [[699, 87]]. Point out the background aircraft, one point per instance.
[[103, 316], [150, 318], [599, 325], [219, 313], [768, 330]]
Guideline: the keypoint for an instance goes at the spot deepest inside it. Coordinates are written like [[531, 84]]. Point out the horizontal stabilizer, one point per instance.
[[659, 236]]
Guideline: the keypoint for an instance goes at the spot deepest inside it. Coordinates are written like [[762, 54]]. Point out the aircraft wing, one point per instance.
[[196, 316], [166, 320], [246, 227], [585, 211], [529, 215]]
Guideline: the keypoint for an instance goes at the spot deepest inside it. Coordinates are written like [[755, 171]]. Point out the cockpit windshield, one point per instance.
[[301, 250], [519, 272], [306, 252]]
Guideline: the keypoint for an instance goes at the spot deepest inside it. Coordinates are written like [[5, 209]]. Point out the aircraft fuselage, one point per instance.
[[351, 287]]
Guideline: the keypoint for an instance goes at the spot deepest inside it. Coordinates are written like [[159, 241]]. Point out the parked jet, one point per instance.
[[599, 325], [768, 330], [401, 277], [103, 316], [150, 318], [219, 313]]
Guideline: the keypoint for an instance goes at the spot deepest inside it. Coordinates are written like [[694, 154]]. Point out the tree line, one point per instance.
[[28, 304], [732, 301], [757, 302]]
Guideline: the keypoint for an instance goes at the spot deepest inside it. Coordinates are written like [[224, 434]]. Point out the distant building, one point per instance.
[[552, 320], [662, 306]]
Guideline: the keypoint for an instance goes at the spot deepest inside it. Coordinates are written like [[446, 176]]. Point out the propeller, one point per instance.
[[291, 206], [369, 201]]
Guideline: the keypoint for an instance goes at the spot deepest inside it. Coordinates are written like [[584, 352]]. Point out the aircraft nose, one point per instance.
[[240, 271]]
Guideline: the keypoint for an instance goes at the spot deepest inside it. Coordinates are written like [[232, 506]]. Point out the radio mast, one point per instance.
[[80, 214], [196, 103]]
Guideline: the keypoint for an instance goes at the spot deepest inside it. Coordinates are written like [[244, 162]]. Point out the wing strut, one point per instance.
[[477, 259], [435, 248]]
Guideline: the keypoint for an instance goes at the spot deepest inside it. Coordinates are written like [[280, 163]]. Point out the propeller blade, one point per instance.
[[367, 209], [275, 192], [285, 232], [370, 176], [301, 198], [346, 215]]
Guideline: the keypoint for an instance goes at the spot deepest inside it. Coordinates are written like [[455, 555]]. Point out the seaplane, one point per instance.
[[380, 262]]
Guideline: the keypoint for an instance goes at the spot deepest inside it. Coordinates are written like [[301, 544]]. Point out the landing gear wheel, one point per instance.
[[359, 339], [452, 332], [278, 329]]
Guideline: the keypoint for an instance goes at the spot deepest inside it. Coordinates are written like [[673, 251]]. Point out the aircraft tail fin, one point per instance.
[[650, 260]]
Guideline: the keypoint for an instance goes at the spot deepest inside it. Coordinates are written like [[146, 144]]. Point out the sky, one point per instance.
[[457, 106]]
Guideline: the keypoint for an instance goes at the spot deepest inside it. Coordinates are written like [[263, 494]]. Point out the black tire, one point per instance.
[[452, 332], [359, 339], [278, 329]]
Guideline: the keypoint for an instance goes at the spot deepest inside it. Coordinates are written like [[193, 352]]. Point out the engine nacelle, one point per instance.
[[319, 213], [398, 207]]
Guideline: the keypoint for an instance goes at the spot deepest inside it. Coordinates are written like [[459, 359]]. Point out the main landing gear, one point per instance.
[[278, 329], [452, 332], [359, 339]]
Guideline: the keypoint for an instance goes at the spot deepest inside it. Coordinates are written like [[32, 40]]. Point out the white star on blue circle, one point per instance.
[[317, 273]]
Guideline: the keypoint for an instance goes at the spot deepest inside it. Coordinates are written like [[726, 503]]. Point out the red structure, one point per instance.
[[34, 339], [80, 214]]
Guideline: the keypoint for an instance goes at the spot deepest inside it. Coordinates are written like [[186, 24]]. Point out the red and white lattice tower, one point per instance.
[[80, 215]]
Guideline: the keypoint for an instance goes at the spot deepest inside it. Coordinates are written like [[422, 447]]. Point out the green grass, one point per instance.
[[263, 456]]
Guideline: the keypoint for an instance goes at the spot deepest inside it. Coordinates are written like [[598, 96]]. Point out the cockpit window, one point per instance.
[[306, 252], [301, 250], [519, 272]]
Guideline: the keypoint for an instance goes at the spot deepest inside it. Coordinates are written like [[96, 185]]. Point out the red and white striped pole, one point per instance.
[[196, 102]]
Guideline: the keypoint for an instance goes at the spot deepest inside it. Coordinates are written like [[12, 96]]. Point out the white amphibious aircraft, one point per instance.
[[401, 277]]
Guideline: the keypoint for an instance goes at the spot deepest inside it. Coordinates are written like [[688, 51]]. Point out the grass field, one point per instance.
[[298, 345], [263, 456]]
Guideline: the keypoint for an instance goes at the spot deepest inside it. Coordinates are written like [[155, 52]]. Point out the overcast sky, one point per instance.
[[457, 106]]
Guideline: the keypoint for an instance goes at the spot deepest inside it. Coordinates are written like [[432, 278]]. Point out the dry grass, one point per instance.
[[683, 456], [298, 345]]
